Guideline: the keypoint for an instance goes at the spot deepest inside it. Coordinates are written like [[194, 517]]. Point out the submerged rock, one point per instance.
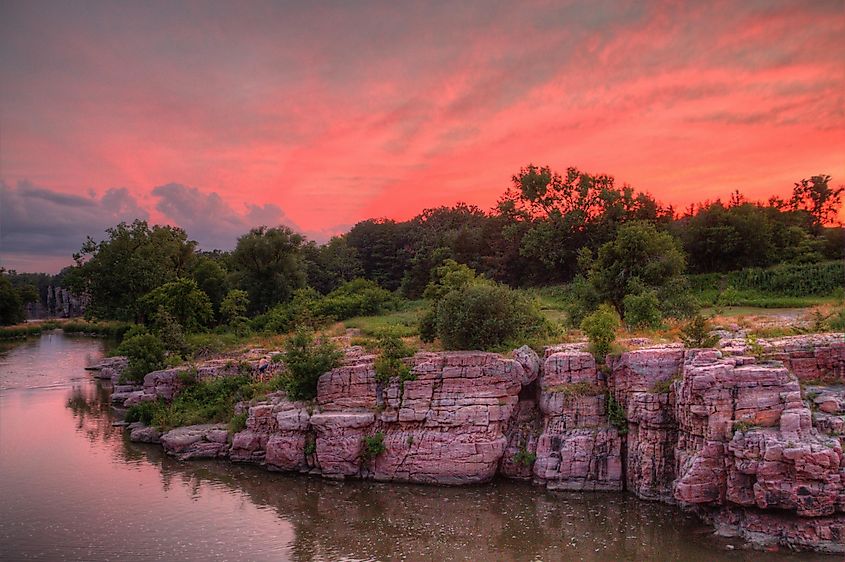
[[205, 441]]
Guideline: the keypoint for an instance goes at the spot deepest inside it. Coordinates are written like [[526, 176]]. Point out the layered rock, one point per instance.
[[207, 441], [642, 382], [578, 449]]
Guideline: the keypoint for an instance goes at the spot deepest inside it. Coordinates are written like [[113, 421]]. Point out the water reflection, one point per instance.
[[72, 487]]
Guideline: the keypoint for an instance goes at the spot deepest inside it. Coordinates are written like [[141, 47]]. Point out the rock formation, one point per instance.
[[722, 433]]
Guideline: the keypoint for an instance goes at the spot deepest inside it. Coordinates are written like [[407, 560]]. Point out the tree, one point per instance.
[[332, 264], [818, 198], [210, 277], [383, 246], [234, 306], [639, 258], [268, 265], [184, 301], [131, 262], [11, 306]]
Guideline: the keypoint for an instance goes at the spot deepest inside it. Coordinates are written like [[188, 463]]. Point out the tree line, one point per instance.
[[609, 241]]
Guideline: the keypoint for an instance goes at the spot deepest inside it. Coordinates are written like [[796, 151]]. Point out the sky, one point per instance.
[[218, 117]]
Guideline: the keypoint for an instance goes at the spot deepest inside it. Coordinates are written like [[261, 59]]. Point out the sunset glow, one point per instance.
[[220, 117]]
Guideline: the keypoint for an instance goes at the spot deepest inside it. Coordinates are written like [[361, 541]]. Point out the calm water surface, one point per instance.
[[73, 488]]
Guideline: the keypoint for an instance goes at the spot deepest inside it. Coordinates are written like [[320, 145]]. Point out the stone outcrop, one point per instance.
[[578, 449], [727, 435], [208, 441]]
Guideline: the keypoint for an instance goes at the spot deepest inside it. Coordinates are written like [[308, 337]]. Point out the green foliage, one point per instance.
[[134, 260], [600, 328], [359, 297], [170, 332], [791, 280], [696, 333], [616, 415], [484, 315], [389, 364], [207, 401], [310, 447], [234, 306], [182, 300], [640, 254], [307, 359], [332, 264], [524, 457], [744, 426], [11, 303], [238, 422], [754, 348], [576, 389], [372, 446], [451, 276], [268, 264], [665, 385], [145, 353], [210, 276], [143, 412], [581, 300], [642, 310]]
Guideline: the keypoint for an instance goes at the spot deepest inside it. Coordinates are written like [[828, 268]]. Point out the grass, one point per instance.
[[575, 389], [403, 323]]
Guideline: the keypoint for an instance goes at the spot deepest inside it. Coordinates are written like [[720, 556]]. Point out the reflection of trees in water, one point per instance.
[[389, 521]]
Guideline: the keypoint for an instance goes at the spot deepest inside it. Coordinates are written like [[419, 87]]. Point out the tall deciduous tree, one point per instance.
[[131, 262], [268, 264]]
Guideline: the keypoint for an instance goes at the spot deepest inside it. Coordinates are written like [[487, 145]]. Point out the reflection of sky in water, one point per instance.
[[72, 487]]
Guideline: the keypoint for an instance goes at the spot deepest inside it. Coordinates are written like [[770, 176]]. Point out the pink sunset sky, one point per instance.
[[218, 117]]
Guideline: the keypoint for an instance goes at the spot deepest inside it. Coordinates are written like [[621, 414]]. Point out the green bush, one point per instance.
[[238, 423], [389, 363], [616, 415], [696, 333], [307, 359], [170, 332], [485, 315], [524, 457], [373, 446], [600, 328], [143, 412], [184, 301], [234, 306], [642, 310], [145, 353], [359, 297], [581, 299]]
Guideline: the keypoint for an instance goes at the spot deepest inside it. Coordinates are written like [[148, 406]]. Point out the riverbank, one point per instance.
[[724, 434]]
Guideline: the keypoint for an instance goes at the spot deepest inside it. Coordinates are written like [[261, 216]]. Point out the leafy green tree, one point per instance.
[[145, 353], [642, 310], [268, 264], [332, 264], [818, 198], [131, 262], [383, 246], [640, 256], [184, 301], [600, 327], [306, 360], [234, 305], [210, 276], [11, 306]]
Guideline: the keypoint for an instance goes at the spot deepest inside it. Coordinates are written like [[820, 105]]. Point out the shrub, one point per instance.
[[145, 353], [524, 457], [484, 315], [616, 415], [389, 363], [184, 301], [696, 333], [234, 306], [581, 300], [575, 389], [310, 446], [373, 446], [170, 332], [642, 310], [307, 359], [600, 328], [359, 297], [754, 347], [143, 412], [238, 422]]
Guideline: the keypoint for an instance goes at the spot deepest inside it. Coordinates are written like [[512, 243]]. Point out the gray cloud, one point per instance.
[[35, 221], [211, 221]]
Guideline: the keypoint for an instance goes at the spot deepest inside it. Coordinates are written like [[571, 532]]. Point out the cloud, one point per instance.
[[35, 221], [211, 221]]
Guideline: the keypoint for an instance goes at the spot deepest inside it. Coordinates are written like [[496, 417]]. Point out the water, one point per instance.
[[73, 488]]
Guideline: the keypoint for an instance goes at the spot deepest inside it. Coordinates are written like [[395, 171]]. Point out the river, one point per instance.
[[72, 487]]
